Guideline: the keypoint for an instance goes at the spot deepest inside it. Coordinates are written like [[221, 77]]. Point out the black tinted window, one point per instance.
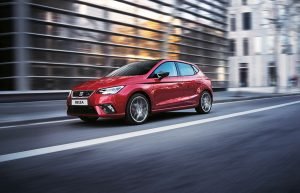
[[133, 69], [246, 21], [185, 69], [167, 67]]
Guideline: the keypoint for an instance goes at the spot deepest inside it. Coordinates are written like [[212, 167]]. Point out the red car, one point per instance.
[[137, 90]]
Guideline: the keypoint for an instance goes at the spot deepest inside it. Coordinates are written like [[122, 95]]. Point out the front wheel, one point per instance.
[[205, 103], [137, 109], [89, 119]]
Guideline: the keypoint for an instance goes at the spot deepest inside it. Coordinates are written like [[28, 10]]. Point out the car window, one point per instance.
[[196, 69], [133, 69], [167, 67], [185, 69]]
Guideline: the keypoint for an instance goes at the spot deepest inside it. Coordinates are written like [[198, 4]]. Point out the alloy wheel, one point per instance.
[[205, 103], [137, 110]]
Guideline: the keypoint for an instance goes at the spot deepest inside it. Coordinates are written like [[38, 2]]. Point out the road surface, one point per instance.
[[240, 147]]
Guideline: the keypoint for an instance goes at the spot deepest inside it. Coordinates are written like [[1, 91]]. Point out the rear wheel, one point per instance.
[[137, 109], [205, 103], [88, 119]]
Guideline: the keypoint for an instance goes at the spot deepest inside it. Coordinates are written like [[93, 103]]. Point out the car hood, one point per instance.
[[106, 82]]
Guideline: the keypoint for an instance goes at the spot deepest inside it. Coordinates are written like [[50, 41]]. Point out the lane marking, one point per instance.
[[101, 140], [38, 123], [69, 120]]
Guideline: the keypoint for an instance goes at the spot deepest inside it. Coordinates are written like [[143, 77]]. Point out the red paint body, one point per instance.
[[167, 94]]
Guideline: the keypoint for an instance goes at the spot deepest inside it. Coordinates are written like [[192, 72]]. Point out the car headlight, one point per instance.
[[111, 90]]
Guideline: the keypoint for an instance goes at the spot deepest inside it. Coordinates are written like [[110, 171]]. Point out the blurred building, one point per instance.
[[54, 44], [257, 50]]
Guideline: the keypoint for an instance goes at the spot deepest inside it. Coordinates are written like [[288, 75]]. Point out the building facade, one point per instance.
[[54, 44], [262, 52]]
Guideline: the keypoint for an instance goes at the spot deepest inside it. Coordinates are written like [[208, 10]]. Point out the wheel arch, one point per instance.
[[143, 93], [210, 92]]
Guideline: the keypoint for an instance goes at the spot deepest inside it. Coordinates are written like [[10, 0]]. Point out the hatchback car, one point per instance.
[[139, 89]]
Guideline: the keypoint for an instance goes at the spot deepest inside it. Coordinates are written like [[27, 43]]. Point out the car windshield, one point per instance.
[[133, 69]]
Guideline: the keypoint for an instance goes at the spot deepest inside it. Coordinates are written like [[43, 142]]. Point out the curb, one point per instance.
[[8, 124]]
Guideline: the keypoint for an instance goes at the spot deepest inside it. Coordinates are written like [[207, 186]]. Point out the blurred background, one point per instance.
[[264, 43], [55, 44]]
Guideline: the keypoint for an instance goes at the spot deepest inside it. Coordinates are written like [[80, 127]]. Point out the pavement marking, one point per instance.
[[69, 120], [39, 123], [101, 140]]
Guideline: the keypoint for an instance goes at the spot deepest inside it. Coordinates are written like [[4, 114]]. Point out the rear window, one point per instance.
[[185, 69]]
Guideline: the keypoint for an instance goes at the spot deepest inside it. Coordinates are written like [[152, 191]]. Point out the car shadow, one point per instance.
[[170, 116], [157, 117], [100, 123]]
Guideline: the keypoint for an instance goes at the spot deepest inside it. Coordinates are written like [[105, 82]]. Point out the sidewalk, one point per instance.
[[11, 113]]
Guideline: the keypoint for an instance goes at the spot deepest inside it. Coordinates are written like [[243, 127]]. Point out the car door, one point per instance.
[[167, 91], [188, 83]]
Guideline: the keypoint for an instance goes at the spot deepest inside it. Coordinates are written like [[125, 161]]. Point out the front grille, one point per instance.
[[82, 110], [84, 93]]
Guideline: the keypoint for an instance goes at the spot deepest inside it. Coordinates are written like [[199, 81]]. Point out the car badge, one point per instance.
[[80, 94]]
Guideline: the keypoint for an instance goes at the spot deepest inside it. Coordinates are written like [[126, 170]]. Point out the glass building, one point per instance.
[[55, 44]]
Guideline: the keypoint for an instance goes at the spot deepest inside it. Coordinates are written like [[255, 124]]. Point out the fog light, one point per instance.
[[108, 108]]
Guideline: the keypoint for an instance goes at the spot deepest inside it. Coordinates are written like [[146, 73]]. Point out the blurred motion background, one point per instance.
[[55, 44], [264, 39]]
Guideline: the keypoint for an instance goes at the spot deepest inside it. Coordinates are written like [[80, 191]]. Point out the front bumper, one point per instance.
[[111, 106]]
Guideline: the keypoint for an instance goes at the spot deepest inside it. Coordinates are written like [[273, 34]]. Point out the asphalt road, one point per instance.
[[225, 151]]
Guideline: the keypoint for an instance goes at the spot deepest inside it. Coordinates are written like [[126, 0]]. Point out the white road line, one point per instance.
[[69, 120], [39, 123], [97, 141]]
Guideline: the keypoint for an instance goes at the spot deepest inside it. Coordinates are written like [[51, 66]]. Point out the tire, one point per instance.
[[137, 109], [205, 103], [89, 119]]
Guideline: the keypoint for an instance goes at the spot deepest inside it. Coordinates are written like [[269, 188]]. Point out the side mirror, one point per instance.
[[162, 75]]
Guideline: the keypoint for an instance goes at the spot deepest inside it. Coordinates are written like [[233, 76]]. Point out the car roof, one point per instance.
[[170, 60]]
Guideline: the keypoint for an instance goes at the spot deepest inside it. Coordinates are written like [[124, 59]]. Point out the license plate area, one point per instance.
[[79, 102]]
